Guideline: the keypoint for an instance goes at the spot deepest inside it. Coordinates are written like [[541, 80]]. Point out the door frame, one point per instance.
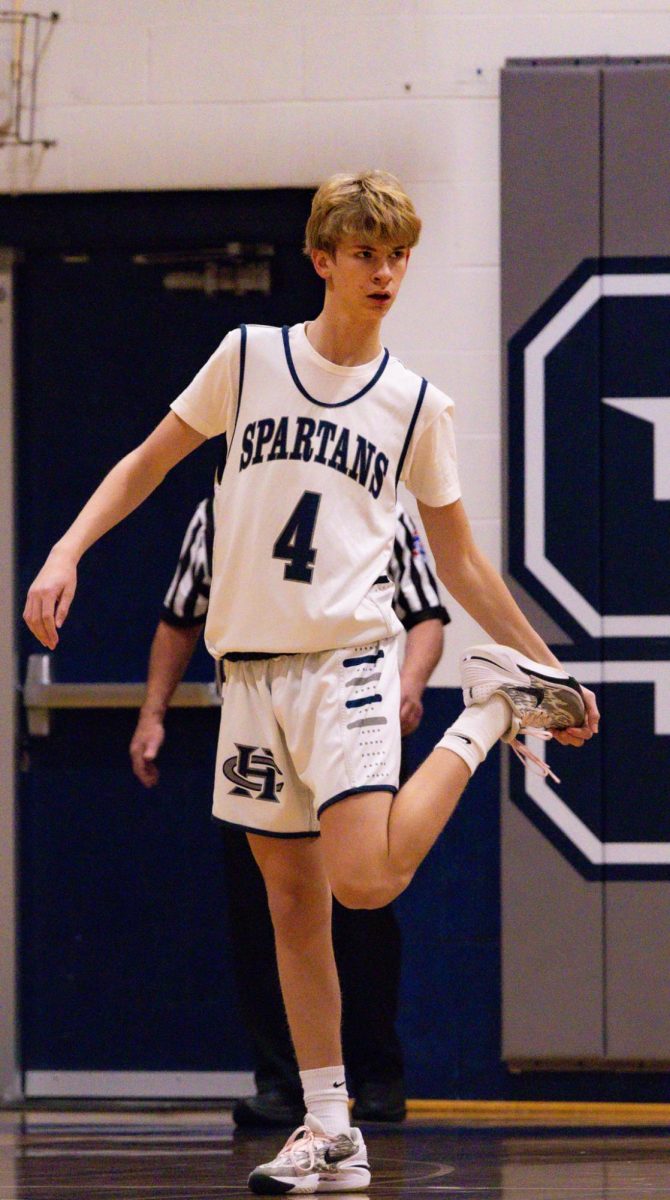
[[10, 1074]]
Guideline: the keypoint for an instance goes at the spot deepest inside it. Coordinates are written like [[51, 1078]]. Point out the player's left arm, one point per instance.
[[474, 582]]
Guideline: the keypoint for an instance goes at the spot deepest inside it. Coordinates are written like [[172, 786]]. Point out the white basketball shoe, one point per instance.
[[541, 698], [315, 1161]]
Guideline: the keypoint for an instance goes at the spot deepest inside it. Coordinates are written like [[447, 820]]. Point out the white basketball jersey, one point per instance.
[[304, 511]]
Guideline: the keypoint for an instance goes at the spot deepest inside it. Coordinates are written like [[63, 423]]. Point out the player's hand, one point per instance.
[[411, 708], [577, 736], [50, 596], [147, 741]]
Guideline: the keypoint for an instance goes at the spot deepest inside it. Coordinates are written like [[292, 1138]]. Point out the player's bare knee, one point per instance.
[[367, 892], [298, 906]]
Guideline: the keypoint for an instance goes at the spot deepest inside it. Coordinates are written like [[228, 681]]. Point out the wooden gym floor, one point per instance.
[[468, 1152]]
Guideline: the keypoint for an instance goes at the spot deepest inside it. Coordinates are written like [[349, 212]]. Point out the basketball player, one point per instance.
[[366, 941], [321, 425]]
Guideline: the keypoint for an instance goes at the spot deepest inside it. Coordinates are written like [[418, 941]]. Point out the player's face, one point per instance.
[[363, 276]]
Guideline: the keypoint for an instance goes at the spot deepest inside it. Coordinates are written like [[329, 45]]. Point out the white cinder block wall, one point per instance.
[[151, 94]]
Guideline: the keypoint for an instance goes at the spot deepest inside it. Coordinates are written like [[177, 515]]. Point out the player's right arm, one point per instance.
[[125, 487]]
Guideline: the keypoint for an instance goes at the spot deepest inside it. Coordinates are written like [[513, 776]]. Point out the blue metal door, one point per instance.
[[124, 965]]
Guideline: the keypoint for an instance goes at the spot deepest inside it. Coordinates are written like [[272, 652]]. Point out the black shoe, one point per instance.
[[380, 1102], [273, 1108]]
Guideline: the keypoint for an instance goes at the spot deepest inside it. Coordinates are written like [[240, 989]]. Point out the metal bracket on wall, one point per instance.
[[24, 38], [41, 694]]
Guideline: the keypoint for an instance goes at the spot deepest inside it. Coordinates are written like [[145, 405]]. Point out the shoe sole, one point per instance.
[[354, 1179], [476, 664]]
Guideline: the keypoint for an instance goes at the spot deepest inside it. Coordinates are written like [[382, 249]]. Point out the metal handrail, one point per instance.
[[41, 694]]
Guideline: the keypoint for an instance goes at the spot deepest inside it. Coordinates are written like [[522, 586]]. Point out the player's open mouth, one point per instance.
[[379, 296]]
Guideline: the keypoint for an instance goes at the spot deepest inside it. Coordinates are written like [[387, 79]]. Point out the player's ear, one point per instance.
[[322, 262]]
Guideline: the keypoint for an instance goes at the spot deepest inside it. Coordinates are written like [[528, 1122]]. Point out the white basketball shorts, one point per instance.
[[302, 731]]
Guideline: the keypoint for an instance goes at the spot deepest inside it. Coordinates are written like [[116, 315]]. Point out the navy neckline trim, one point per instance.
[[321, 403]]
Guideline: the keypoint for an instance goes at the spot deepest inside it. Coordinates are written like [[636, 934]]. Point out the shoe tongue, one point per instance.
[[315, 1125]]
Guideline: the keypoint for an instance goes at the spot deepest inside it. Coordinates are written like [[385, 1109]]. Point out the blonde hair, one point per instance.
[[372, 205]]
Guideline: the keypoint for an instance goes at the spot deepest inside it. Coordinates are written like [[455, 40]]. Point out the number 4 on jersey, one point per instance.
[[294, 543]]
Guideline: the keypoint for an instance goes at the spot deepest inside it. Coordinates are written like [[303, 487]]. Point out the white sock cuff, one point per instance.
[[326, 1097], [322, 1079], [476, 730]]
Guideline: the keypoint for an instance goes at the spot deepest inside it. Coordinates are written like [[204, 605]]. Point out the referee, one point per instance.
[[366, 941]]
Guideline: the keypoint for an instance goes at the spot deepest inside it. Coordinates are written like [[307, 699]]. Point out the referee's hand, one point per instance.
[[147, 741]]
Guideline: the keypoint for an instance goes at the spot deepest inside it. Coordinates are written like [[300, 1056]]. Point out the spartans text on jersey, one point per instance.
[[302, 438]]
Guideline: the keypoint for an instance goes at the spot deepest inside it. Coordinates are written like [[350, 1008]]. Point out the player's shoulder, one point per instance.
[[433, 399], [264, 342], [262, 333], [242, 333]]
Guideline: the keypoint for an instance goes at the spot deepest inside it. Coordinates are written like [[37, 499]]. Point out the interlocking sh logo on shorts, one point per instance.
[[254, 773]]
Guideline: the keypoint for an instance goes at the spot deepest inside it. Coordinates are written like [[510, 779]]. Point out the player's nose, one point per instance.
[[382, 272]]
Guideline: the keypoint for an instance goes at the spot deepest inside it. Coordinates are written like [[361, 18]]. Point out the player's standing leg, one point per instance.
[[300, 902], [278, 1100]]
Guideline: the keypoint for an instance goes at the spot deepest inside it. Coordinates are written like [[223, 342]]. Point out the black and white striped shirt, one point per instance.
[[416, 596]]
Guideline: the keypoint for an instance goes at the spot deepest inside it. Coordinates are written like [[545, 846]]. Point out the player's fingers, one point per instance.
[[38, 615], [592, 712], [573, 737], [49, 619], [63, 605], [565, 738]]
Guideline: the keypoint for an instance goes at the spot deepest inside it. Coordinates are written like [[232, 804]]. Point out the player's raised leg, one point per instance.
[[388, 837]]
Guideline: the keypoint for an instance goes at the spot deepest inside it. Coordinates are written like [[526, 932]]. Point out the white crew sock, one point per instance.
[[476, 730], [326, 1097]]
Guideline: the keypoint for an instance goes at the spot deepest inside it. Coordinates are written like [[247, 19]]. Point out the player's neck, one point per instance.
[[344, 341]]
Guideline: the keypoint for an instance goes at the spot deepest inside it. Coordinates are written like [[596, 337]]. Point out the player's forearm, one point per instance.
[[129, 483], [171, 652], [121, 491], [474, 582], [423, 650]]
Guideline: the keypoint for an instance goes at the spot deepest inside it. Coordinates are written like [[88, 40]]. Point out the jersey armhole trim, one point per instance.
[[410, 431], [243, 356], [209, 533]]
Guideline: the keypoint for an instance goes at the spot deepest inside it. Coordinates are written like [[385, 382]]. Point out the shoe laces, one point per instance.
[[302, 1148], [532, 761]]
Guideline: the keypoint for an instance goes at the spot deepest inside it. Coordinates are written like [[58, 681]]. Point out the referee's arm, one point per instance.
[[418, 606], [176, 637]]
